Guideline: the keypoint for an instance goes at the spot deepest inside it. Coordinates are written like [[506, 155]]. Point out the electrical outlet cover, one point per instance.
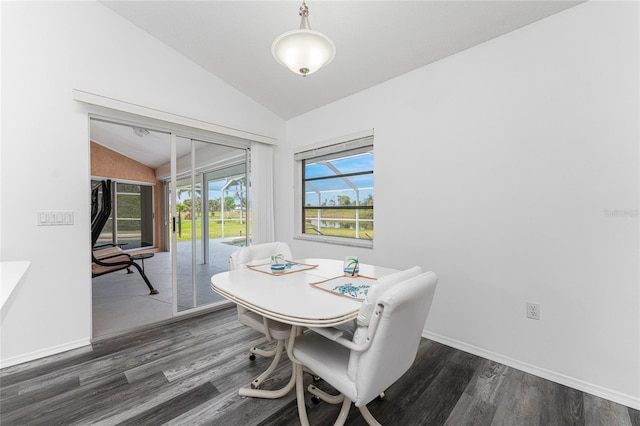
[[533, 310]]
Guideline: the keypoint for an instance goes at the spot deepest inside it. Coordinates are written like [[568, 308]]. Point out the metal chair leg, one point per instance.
[[331, 399], [368, 417], [344, 412], [144, 277], [264, 352], [302, 409]]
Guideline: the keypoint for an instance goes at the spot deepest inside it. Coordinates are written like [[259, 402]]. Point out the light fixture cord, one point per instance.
[[304, 17]]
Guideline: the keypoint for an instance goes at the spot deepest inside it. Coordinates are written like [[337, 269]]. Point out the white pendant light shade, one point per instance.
[[303, 51]]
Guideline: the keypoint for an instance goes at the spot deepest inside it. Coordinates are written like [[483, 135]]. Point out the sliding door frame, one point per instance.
[[197, 176], [175, 130]]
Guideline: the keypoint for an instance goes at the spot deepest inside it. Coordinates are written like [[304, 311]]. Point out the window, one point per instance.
[[337, 195], [134, 215], [133, 207]]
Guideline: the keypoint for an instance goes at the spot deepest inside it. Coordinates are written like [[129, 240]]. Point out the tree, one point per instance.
[[186, 189], [240, 196], [214, 206], [229, 203], [198, 206], [344, 200]]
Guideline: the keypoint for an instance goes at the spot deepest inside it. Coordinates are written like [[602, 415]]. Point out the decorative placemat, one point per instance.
[[290, 267], [353, 287]]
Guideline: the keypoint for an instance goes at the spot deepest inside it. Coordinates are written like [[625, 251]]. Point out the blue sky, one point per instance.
[[330, 188]]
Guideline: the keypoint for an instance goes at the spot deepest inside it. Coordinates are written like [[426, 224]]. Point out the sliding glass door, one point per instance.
[[180, 198], [227, 202], [209, 194]]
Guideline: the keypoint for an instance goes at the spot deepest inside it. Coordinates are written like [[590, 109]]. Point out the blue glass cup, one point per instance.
[[278, 264]]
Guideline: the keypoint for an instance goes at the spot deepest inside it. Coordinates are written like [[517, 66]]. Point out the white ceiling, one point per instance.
[[375, 40], [152, 149]]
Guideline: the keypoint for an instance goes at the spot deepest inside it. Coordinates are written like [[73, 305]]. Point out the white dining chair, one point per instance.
[[384, 346], [273, 330]]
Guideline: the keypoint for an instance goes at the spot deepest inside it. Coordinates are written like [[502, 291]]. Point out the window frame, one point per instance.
[[114, 218], [348, 145]]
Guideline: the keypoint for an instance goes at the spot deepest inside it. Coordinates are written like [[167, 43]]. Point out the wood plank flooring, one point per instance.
[[188, 373]]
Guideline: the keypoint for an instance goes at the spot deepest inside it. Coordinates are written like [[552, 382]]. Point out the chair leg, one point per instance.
[[306, 370], [368, 417], [344, 412], [331, 399], [274, 363], [264, 352], [302, 409], [144, 277]]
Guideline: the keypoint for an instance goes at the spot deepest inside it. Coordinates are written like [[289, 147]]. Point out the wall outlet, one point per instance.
[[533, 310]]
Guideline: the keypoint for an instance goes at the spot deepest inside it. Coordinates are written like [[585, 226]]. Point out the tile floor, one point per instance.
[[121, 301]]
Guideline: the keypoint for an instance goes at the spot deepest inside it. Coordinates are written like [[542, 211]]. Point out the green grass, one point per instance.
[[341, 232], [346, 233], [345, 217], [232, 228]]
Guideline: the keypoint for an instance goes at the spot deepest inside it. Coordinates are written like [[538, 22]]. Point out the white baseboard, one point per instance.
[[53, 350], [609, 394]]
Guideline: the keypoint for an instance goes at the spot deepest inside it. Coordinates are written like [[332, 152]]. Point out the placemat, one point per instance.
[[346, 286], [290, 268]]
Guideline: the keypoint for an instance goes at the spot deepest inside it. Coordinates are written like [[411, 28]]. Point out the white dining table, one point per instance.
[[291, 298]]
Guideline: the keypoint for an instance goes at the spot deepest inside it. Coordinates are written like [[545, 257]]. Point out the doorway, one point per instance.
[[172, 217]]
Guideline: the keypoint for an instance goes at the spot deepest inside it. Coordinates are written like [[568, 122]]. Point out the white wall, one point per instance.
[[498, 168], [48, 49]]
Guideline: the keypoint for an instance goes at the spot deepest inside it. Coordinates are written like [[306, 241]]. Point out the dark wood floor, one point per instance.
[[189, 372]]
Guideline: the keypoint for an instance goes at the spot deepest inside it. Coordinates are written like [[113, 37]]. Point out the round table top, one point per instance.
[[141, 256]]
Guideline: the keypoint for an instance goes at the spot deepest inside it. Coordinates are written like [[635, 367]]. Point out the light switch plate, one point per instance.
[[59, 218]]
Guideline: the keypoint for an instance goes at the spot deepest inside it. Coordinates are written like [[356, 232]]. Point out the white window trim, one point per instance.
[[316, 149]]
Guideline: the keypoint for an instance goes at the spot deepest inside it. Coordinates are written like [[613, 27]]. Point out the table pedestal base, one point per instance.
[[270, 394]]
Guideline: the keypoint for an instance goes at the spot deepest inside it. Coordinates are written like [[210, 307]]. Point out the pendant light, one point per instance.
[[303, 51]]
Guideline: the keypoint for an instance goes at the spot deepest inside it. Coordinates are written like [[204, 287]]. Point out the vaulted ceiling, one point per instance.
[[375, 40]]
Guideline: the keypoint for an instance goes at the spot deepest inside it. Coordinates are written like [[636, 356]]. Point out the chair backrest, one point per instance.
[[95, 201], [258, 253], [394, 345], [99, 220], [365, 314], [376, 291]]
